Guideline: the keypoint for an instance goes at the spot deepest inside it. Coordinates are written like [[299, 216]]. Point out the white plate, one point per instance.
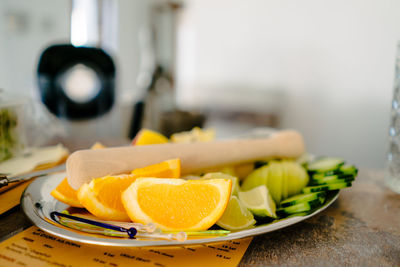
[[37, 203]]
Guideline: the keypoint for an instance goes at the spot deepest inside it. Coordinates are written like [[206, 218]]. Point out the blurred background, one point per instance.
[[325, 68]]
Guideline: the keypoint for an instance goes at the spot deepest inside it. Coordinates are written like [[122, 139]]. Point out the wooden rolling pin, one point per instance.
[[84, 165]]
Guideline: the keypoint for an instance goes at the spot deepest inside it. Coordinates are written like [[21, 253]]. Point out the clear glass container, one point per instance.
[[392, 172], [12, 132]]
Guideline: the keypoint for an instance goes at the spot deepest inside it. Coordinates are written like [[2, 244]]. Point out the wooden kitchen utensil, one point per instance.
[[84, 165]]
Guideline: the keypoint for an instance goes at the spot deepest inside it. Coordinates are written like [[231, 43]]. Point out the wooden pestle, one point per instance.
[[84, 165]]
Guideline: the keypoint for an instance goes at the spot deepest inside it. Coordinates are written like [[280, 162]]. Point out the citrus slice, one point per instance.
[[102, 196], [177, 204], [259, 201], [148, 137], [66, 194], [221, 175], [195, 135], [236, 216], [166, 169]]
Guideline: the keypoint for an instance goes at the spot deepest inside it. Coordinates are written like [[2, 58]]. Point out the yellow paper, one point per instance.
[[34, 247], [11, 198]]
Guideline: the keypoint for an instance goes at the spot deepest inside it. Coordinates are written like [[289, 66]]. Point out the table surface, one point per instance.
[[361, 228]]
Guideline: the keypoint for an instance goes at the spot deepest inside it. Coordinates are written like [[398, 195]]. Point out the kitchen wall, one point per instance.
[[26, 28], [333, 60], [327, 67]]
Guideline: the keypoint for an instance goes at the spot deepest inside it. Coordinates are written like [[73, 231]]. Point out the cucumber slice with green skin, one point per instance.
[[325, 164], [332, 180], [259, 164], [256, 178], [301, 207], [327, 187], [342, 171], [293, 182], [274, 182], [285, 179], [305, 178], [348, 169], [301, 198], [337, 176]]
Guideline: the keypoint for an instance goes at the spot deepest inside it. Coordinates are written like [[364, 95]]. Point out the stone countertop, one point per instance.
[[361, 228]]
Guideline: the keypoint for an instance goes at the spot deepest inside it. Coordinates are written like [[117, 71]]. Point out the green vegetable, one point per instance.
[[8, 133]]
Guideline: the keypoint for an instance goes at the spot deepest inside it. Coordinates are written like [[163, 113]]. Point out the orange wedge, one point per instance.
[[177, 204], [66, 194], [102, 196], [166, 169], [148, 137]]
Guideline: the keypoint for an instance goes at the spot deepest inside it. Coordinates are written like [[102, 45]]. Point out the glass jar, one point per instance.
[[12, 133]]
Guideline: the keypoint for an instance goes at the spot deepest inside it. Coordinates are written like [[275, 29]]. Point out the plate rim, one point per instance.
[[31, 210]]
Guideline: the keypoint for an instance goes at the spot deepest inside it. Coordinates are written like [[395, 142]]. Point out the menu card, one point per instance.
[[34, 247]]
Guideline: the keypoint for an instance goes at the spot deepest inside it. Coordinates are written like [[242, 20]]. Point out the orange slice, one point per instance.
[[66, 194], [166, 169], [177, 204], [148, 137], [102, 196]]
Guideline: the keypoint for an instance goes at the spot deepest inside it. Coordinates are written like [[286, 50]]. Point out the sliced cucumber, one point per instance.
[[293, 181], [274, 182], [301, 207], [348, 169], [256, 178], [259, 164], [327, 187], [321, 176], [285, 179], [333, 179], [325, 164], [342, 170], [301, 198]]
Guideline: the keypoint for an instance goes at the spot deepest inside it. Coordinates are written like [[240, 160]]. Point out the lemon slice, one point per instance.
[[236, 216], [259, 201]]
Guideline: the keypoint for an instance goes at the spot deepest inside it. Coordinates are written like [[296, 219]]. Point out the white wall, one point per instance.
[[334, 60], [26, 28]]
